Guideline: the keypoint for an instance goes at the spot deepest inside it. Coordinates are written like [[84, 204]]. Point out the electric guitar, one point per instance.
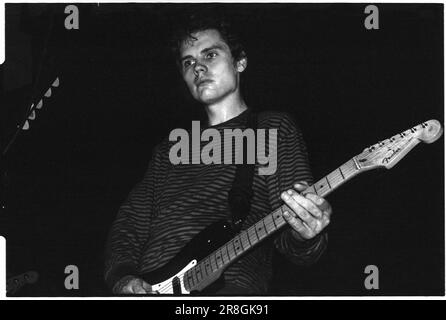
[[203, 260]]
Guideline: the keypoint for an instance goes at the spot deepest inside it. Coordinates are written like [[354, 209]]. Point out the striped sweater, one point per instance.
[[172, 203]]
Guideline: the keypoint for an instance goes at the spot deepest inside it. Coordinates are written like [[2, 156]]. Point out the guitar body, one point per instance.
[[169, 278]]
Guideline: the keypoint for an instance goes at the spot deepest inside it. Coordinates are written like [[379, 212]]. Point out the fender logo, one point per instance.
[[394, 152]]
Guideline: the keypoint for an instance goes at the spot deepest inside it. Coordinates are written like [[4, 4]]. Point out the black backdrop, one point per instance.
[[120, 94]]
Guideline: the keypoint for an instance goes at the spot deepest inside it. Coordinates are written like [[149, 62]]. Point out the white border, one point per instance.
[[2, 267], [186, 298]]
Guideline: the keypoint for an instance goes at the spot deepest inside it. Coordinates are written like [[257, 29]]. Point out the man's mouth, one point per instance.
[[203, 82]]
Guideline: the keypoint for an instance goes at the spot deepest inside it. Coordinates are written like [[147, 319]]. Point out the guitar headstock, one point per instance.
[[388, 152]]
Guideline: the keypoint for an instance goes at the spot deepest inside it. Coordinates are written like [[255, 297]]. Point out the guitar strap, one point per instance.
[[241, 192]]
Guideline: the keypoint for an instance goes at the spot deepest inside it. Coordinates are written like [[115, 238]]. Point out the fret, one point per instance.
[[244, 238], [241, 242], [189, 278], [207, 266], [237, 245], [254, 227], [310, 189], [356, 163], [200, 271], [264, 227], [334, 179], [224, 257], [252, 234], [194, 275], [328, 182], [340, 171], [278, 218], [321, 187], [274, 220], [268, 226], [225, 253], [213, 261], [352, 168], [233, 247], [230, 249], [269, 223], [219, 259], [260, 229], [347, 169]]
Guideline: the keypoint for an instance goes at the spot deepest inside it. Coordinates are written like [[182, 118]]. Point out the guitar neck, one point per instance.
[[248, 238]]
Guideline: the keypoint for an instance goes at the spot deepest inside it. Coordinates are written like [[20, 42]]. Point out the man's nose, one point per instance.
[[199, 67]]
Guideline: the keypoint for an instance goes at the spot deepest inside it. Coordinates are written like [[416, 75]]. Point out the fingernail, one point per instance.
[[285, 196], [290, 192]]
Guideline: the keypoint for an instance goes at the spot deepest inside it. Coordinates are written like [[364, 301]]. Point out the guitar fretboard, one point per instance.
[[248, 238]]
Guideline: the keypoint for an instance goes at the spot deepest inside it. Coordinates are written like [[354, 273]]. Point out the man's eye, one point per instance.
[[187, 63], [211, 55]]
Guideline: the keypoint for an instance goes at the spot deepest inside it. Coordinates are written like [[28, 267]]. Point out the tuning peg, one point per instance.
[[48, 93], [55, 83], [32, 116], [26, 125], [39, 105]]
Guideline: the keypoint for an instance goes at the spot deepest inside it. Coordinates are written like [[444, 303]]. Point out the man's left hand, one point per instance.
[[310, 213]]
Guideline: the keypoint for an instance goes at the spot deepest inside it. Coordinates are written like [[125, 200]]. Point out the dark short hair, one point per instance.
[[207, 19]]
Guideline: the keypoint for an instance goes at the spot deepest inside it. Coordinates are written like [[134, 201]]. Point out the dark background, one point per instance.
[[119, 95]]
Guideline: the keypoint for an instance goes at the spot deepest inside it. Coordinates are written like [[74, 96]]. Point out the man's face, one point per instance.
[[208, 67]]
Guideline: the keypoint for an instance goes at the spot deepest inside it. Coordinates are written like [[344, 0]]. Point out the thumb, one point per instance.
[[301, 186], [139, 290], [146, 286]]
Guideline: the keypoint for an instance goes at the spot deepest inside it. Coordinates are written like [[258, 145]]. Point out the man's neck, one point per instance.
[[225, 110]]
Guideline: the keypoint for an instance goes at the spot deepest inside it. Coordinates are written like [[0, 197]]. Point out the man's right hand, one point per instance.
[[132, 285]]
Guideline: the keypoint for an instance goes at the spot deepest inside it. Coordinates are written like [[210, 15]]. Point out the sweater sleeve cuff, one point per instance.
[[295, 241]]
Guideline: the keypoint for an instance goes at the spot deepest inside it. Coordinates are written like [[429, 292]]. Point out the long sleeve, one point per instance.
[[293, 166], [131, 228]]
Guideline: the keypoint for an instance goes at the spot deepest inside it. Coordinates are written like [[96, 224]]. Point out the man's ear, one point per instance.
[[242, 62]]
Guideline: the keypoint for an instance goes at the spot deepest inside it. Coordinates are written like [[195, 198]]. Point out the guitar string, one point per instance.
[[350, 171]]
